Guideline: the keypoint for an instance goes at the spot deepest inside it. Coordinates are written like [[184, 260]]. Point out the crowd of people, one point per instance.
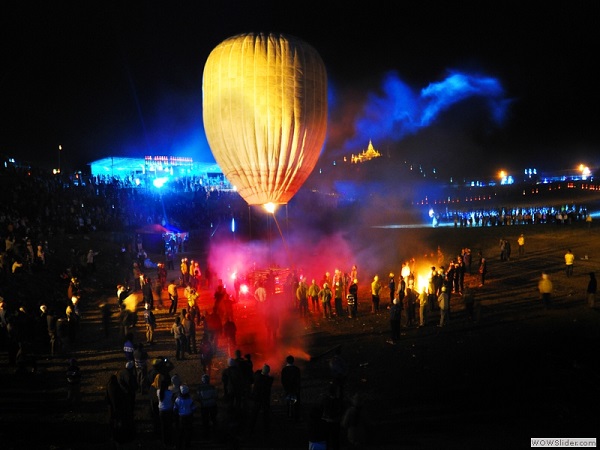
[[245, 402], [560, 215], [39, 207]]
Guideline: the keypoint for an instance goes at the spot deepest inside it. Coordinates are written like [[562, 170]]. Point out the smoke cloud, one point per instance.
[[399, 110]]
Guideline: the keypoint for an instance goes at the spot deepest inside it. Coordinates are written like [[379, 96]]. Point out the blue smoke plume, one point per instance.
[[400, 110]]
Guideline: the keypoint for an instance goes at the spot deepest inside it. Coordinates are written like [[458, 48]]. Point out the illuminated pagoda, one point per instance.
[[366, 155]]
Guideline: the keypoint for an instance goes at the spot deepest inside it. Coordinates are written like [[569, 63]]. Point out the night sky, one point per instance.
[[459, 86]]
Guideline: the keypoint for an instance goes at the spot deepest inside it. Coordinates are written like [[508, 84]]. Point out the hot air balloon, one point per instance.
[[265, 113]]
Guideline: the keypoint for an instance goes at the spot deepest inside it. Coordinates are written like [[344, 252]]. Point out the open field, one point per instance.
[[520, 371]]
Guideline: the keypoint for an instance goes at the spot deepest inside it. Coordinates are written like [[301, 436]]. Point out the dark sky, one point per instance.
[[125, 78]]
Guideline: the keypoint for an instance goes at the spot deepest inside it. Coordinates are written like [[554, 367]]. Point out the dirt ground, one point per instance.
[[520, 371]]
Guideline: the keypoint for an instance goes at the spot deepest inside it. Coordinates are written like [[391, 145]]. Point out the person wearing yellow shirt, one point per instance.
[[569, 261], [545, 288], [521, 244]]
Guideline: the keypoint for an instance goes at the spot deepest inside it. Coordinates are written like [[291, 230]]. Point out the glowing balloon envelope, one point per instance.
[[265, 113]]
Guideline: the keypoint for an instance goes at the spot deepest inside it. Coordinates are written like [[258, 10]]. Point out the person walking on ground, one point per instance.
[[183, 413], [338, 368], [521, 244], [325, 295], [166, 398], [569, 261], [333, 410], [140, 356], [189, 327], [73, 384], [313, 294], [338, 292], [356, 423], [106, 313], [179, 334], [261, 395], [247, 370], [207, 397], [469, 299], [409, 301], [482, 269], [90, 261], [392, 287], [423, 302], [444, 304], [51, 321], [128, 347], [122, 294], [233, 385], [352, 299], [206, 354], [213, 328], [291, 381], [302, 297], [545, 288], [173, 297], [147, 292], [230, 335], [150, 321], [375, 290], [401, 292], [591, 290], [395, 316], [121, 423], [260, 295]]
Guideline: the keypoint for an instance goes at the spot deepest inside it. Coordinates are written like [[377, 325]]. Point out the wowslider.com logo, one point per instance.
[[564, 442]]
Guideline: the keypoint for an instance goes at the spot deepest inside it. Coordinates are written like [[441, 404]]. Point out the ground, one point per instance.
[[520, 371]]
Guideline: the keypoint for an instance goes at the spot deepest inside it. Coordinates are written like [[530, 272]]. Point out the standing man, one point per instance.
[[147, 294], [260, 295], [261, 394], [444, 304], [545, 288], [469, 299], [183, 414], [302, 297], [150, 321], [325, 295], [423, 301], [352, 299], [339, 310], [392, 287], [591, 290], [375, 290], [128, 347], [207, 397], [185, 272], [91, 265], [482, 269], [569, 261], [395, 316], [173, 296], [122, 294], [432, 288], [291, 382], [73, 384], [178, 333], [313, 293], [521, 244]]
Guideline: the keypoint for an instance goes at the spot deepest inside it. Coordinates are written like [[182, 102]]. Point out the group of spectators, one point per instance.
[[513, 216]]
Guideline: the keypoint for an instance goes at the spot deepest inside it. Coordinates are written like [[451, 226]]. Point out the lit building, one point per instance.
[[140, 171], [366, 155]]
